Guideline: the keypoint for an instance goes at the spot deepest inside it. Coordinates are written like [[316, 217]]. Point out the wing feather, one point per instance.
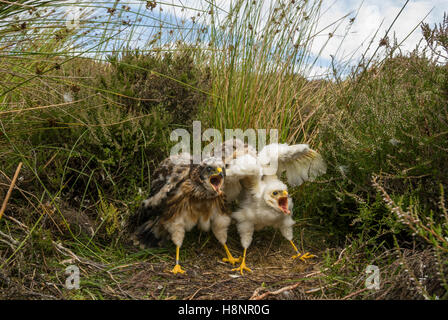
[[241, 173], [242, 168], [166, 180], [299, 161]]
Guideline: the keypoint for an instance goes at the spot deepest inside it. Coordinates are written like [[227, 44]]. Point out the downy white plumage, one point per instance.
[[254, 180]]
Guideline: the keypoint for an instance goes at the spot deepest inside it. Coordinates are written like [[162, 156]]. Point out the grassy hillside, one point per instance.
[[88, 110]]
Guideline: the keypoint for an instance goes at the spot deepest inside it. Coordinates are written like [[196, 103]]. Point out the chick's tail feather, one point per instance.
[[145, 235], [143, 226]]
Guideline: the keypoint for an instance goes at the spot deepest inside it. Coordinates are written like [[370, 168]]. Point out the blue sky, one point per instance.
[[371, 15], [348, 42]]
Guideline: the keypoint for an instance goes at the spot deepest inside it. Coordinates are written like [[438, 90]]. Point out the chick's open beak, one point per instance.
[[216, 180], [283, 202]]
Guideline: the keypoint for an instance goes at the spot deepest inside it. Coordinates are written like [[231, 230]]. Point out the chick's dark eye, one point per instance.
[[275, 193], [209, 169]]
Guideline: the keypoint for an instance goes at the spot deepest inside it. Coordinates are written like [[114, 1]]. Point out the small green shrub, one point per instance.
[[171, 83], [391, 121]]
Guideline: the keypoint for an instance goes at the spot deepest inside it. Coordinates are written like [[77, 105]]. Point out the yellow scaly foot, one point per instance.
[[243, 266], [299, 255], [230, 258], [303, 256], [177, 269]]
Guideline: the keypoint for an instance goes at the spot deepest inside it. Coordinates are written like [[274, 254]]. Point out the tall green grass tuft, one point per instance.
[[260, 55]]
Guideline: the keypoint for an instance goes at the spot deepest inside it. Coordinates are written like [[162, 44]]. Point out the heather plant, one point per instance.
[[391, 122], [170, 82], [383, 204]]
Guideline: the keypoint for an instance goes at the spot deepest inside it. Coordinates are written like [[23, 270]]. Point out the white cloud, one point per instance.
[[372, 16], [347, 43], [350, 40]]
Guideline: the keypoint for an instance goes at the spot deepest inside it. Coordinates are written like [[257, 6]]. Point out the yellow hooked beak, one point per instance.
[[219, 170], [285, 193]]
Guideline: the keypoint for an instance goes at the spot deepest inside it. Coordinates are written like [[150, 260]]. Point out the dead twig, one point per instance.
[[11, 186], [256, 296], [65, 251], [354, 294], [321, 288], [13, 243], [201, 288]]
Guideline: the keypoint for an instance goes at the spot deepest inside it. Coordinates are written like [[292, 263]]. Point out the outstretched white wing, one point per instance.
[[242, 168], [243, 172], [299, 161]]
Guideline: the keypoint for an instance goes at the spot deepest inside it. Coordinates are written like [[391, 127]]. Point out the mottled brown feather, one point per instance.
[[176, 189]]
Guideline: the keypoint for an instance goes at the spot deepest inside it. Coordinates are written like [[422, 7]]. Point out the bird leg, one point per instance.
[[242, 266], [177, 268], [299, 255], [230, 258]]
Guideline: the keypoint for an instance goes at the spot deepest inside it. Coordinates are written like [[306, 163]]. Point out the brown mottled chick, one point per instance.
[[182, 196]]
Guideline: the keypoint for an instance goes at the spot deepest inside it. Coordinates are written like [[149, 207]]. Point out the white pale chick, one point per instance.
[[253, 179]]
